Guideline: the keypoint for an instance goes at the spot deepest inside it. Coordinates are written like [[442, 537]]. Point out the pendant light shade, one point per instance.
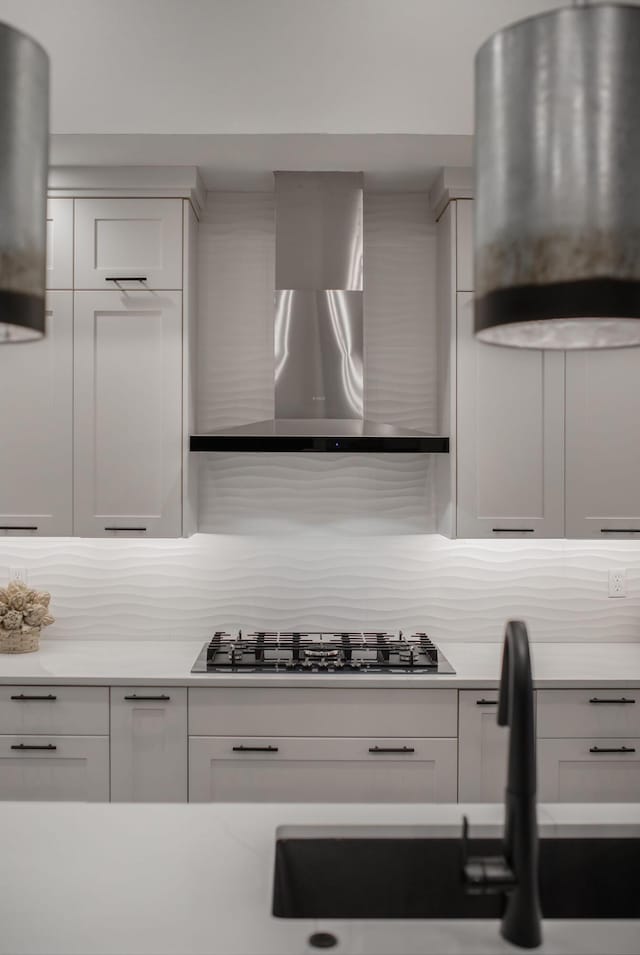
[[24, 141], [557, 180]]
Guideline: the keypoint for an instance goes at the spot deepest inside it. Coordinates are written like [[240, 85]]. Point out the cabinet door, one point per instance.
[[464, 245], [482, 765], [285, 769], [36, 381], [510, 437], [59, 273], [603, 453], [127, 414], [148, 744], [128, 243], [589, 770], [55, 768]]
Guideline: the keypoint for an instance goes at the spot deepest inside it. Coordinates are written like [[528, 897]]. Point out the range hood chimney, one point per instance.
[[318, 329]]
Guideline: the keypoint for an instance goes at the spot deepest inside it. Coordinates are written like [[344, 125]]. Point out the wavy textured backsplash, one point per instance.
[[462, 590]]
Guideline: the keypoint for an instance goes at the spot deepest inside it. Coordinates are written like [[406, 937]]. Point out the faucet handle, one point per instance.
[[484, 875]]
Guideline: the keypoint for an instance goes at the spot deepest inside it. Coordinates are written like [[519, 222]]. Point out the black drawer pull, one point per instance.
[[125, 278], [255, 749], [620, 530], [513, 530], [22, 746], [22, 697], [621, 699], [140, 529], [137, 699], [618, 749], [484, 702], [391, 749], [18, 527]]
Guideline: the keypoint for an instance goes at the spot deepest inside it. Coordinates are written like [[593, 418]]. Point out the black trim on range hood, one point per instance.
[[320, 435]]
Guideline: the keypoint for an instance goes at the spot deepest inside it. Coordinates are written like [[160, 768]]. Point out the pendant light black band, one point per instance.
[[22, 316]]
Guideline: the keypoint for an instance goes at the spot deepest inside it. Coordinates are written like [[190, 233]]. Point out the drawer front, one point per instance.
[[66, 768], [311, 711], [585, 713], [589, 770], [290, 769], [58, 710]]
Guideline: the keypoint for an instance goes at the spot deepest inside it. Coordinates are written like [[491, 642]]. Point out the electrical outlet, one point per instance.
[[19, 573], [617, 583]]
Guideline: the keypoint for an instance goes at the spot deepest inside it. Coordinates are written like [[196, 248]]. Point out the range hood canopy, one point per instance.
[[318, 329]]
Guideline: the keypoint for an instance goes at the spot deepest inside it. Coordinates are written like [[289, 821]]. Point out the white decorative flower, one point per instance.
[[34, 616], [4, 606], [12, 620]]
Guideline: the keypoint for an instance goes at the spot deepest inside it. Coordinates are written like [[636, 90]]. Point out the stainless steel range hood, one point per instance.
[[318, 329]]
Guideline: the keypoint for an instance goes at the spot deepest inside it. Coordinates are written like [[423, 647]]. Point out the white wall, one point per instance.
[[263, 66]]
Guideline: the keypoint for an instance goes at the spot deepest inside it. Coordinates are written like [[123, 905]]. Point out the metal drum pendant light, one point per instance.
[[24, 142], [557, 180]]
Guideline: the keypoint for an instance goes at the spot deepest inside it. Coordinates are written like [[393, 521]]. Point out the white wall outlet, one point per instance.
[[19, 573], [617, 583]]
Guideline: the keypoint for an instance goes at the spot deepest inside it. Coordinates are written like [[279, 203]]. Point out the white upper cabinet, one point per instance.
[[128, 243], [603, 452], [128, 414], [59, 273], [36, 428], [464, 245], [510, 468]]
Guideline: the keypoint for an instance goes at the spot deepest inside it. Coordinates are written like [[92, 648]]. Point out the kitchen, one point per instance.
[[280, 610]]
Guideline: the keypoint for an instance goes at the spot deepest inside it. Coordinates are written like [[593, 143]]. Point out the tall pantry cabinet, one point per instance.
[[99, 423]]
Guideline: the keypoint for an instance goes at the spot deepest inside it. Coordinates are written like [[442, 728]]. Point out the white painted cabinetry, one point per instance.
[[510, 453], [128, 243], [36, 428], [128, 414], [482, 748], [59, 274], [148, 744], [603, 453]]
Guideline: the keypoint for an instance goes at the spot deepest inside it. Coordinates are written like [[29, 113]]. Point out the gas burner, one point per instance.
[[309, 651]]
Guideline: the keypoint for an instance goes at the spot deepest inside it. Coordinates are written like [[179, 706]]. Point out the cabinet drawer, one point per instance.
[[589, 770], [277, 769], [128, 243], [584, 713], [311, 711], [55, 768], [57, 710]]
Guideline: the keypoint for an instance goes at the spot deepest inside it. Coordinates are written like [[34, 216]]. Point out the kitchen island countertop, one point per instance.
[[84, 879], [157, 663]]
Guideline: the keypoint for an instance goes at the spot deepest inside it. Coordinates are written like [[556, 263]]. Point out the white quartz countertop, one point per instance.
[[157, 663], [99, 879]]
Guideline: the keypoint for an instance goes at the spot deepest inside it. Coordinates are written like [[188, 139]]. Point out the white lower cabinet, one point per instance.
[[55, 768], [589, 770], [294, 769], [148, 744], [482, 758]]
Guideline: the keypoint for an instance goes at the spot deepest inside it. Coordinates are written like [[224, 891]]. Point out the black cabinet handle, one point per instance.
[[620, 530], [125, 278], [22, 697], [137, 699], [391, 749], [621, 699], [22, 746], [141, 529], [18, 527], [513, 530], [618, 749], [255, 749], [484, 702]]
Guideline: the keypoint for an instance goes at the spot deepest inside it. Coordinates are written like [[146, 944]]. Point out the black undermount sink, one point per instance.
[[403, 878]]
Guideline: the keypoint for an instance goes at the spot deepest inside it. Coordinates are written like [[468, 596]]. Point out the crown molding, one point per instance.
[[183, 182]]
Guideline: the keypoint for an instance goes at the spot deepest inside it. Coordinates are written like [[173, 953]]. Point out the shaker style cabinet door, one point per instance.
[[603, 451], [52, 768], [59, 273], [128, 414], [510, 437], [36, 381], [589, 770], [128, 243], [482, 754], [148, 744]]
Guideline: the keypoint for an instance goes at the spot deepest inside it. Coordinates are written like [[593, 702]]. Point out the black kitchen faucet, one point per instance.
[[515, 873]]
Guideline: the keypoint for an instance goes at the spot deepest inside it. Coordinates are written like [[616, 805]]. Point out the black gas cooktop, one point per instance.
[[298, 651]]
